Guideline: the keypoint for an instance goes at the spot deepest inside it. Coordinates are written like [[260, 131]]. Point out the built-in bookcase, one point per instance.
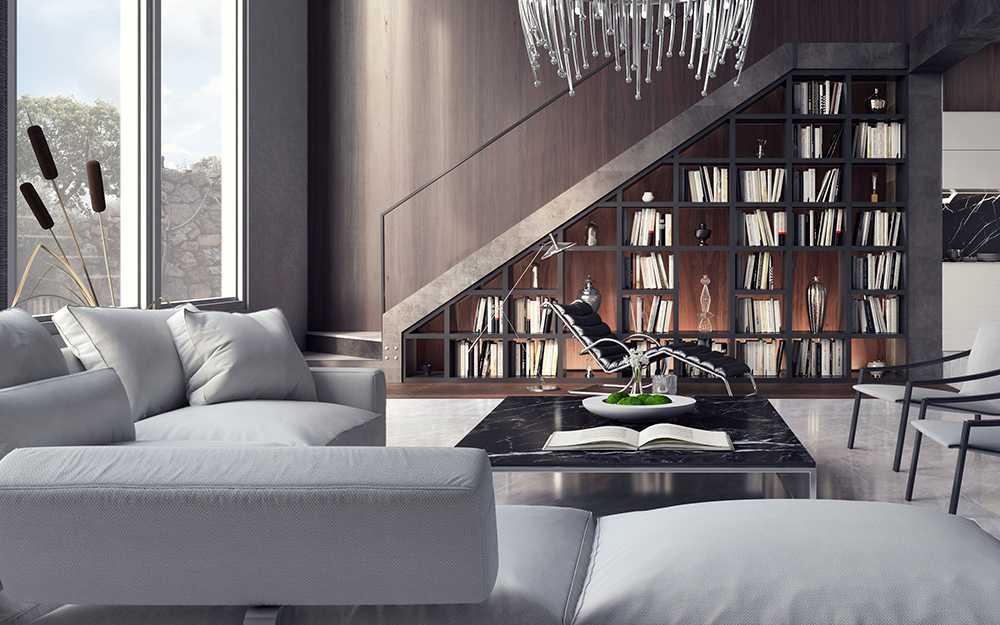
[[788, 191]]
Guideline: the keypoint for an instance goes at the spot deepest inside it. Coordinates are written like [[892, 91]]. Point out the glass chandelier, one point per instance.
[[629, 28]]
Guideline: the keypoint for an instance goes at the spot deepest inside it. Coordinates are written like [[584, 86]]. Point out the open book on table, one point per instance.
[[659, 436]]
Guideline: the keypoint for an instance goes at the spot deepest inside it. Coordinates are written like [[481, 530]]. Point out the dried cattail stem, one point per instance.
[[42, 153]]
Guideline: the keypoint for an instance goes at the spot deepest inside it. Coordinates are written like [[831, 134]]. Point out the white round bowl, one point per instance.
[[678, 405]]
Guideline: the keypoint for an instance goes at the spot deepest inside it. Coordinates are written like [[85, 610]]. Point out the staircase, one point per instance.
[[343, 349]]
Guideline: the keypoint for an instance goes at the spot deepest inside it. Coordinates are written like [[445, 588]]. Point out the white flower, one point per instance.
[[638, 359]]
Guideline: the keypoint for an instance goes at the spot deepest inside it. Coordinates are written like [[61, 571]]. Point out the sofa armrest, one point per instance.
[[247, 525], [357, 387]]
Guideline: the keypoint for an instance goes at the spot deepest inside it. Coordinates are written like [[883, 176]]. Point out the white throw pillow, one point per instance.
[[232, 356], [27, 350], [135, 343]]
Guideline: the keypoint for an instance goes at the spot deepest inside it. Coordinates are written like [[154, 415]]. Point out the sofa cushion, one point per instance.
[[261, 420], [88, 408], [135, 343], [248, 526], [544, 553], [232, 356], [29, 351], [790, 561]]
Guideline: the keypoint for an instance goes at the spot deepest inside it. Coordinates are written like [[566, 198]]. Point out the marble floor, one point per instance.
[[863, 473]]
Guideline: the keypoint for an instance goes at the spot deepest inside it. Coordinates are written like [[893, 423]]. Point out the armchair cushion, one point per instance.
[[88, 408], [949, 434], [29, 352], [233, 356], [135, 343]]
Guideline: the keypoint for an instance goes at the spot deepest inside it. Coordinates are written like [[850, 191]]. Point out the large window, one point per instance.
[[151, 89]]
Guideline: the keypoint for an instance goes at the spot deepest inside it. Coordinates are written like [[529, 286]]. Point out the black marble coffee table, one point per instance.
[[515, 431]]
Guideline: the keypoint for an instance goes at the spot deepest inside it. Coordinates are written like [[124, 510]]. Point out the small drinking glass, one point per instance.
[[664, 384]]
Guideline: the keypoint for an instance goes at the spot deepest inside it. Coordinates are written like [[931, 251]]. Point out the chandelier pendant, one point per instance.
[[628, 29]]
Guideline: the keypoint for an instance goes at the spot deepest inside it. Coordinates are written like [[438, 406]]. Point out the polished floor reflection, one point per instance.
[[863, 473]]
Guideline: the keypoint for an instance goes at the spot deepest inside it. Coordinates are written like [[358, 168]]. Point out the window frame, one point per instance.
[[142, 253]]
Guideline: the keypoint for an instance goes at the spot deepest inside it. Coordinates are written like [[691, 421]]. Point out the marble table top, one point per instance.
[[515, 431]]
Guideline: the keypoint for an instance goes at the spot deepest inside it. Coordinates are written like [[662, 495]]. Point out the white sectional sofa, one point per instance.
[[213, 523]]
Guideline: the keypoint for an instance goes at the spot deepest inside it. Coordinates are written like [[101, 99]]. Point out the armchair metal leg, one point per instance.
[[956, 487], [904, 413], [913, 465], [854, 419]]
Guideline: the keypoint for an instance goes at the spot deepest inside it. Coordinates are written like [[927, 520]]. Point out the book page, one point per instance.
[[607, 437], [670, 435]]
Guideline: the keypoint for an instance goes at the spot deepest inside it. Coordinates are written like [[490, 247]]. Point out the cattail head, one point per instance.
[[96, 182], [42, 153], [36, 205]]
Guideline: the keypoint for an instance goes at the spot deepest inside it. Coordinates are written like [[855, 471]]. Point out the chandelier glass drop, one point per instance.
[[627, 29]]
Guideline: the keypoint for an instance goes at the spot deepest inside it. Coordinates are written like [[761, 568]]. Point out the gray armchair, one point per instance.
[[983, 364], [976, 434]]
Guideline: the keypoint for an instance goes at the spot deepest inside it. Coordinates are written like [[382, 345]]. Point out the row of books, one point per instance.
[[755, 271], [758, 316], [820, 227], [762, 185], [877, 271], [817, 97], [878, 140], [478, 359], [650, 227], [762, 356], [877, 315], [655, 320], [649, 272], [529, 316], [813, 358], [532, 359], [808, 142], [488, 316], [762, 228], [805, 189], [708, 184], [878, 228]]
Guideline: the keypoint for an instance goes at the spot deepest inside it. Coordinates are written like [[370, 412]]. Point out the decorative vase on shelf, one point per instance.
[[647, 196], [590, 294], [591, 234], [705, 316], [702, 233], [875, 103], [534, 275], [816, 304]]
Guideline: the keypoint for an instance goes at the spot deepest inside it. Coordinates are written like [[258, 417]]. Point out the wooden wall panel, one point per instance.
[[974, 84], [861, 21], [920, 14]]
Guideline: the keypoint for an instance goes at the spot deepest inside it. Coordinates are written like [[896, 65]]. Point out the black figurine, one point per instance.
[[702, 233]]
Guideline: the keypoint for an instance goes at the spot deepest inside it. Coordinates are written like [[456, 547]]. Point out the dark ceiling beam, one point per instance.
[[963, 29]]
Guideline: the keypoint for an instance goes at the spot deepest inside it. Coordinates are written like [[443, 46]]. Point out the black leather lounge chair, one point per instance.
[[611, 353]]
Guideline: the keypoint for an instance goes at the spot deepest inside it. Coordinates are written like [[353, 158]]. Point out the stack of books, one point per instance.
[[757, 273], [764, 229], [877, 271], [878, 227], [805, 188], [817, 97], [878, 140], [762, 356], [876, 315], [809, 142], [650, 227], [478, 359], [536, 358], [758, 316], [649, 272], [488, 316], [822, 227], [813, 358], [530, 317], [762, 185], [654, 320], [708, 184]]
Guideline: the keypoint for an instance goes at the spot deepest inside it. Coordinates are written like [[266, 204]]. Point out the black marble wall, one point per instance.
[[971, 224]]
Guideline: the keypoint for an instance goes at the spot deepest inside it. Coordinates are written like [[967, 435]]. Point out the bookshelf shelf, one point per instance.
[[716, 168]]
